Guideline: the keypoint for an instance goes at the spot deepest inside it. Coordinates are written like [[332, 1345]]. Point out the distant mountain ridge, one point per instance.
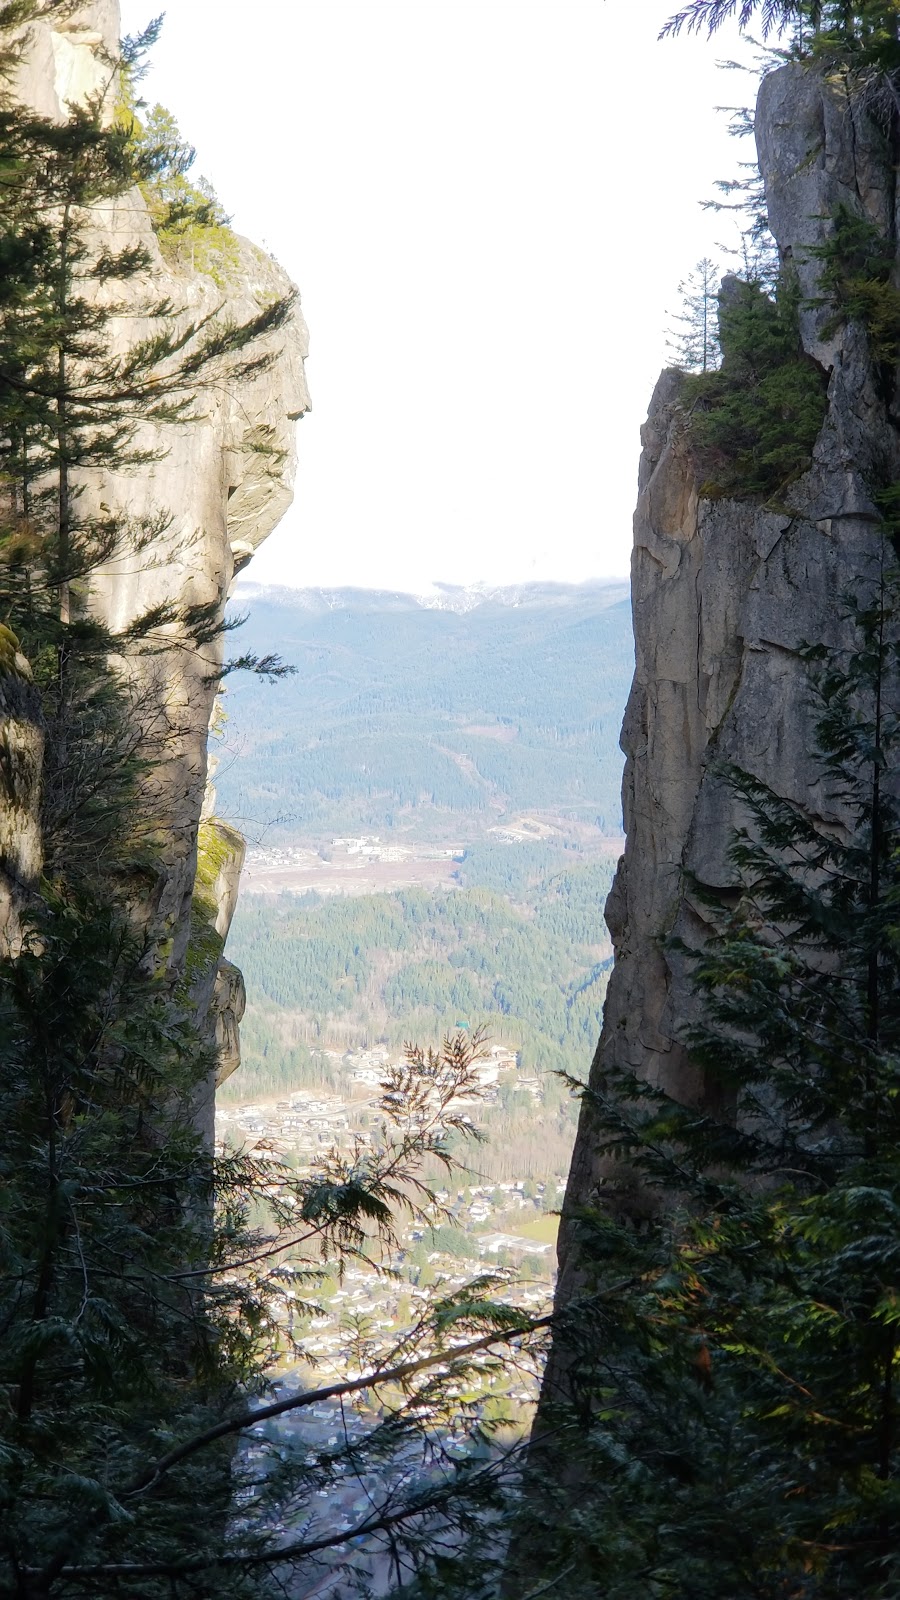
[[444, 596], [441, 714]]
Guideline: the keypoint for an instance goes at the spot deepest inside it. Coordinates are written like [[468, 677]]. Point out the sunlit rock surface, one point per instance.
[[222, 483], [21, 755], [725, 594]]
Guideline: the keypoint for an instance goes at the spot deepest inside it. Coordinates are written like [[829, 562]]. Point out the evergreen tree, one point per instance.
[[694, 341], [774, 15], [79, 401], [75, 400], [136, 1327], [754, 421], [140, 1277], [190, 224], [862, 35]]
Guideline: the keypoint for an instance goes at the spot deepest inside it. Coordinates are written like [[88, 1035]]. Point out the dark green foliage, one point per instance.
[[135, 1321], [139, 1275], [774, 15], [754, 422], [856, 34], [113, 1334], [453, 1242], [862, 36], [736, 1415], [855, 280]]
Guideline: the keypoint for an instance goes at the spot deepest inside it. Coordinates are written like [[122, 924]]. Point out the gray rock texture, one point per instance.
[[222, 481], [725, 593], [21, 758]]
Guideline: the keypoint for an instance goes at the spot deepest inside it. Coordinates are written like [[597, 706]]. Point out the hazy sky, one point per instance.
[[487, 205]]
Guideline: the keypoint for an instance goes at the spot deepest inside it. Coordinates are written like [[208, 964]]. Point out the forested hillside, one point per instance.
[[422, 716], [433, 720], [527, 958]]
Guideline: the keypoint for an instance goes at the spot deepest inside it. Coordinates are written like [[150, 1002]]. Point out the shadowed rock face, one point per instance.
[[724, 595], [224, 480]]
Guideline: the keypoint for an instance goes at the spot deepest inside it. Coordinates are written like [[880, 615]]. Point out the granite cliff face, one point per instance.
[[219, 487], [725, 594]]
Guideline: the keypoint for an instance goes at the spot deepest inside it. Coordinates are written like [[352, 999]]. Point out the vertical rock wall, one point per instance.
[[223, 481], [725, 593]]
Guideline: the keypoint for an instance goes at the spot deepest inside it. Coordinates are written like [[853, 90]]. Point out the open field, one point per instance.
[[384, 865], [345, 874], [542, 1229]]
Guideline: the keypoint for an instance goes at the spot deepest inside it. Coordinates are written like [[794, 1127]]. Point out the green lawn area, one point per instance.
[[544, 1229]]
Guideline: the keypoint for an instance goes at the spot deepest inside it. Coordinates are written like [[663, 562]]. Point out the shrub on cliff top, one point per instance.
[[754, 421], [190, 224]]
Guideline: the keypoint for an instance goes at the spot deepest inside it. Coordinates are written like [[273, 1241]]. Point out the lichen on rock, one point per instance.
[[214, 986]]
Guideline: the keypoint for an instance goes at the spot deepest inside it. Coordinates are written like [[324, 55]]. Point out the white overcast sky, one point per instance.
[[487, 205]]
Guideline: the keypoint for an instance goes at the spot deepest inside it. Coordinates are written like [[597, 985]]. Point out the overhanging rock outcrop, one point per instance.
[[217, 486], [725, 595]]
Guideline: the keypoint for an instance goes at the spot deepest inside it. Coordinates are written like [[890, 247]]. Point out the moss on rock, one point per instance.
[[219, 848]]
